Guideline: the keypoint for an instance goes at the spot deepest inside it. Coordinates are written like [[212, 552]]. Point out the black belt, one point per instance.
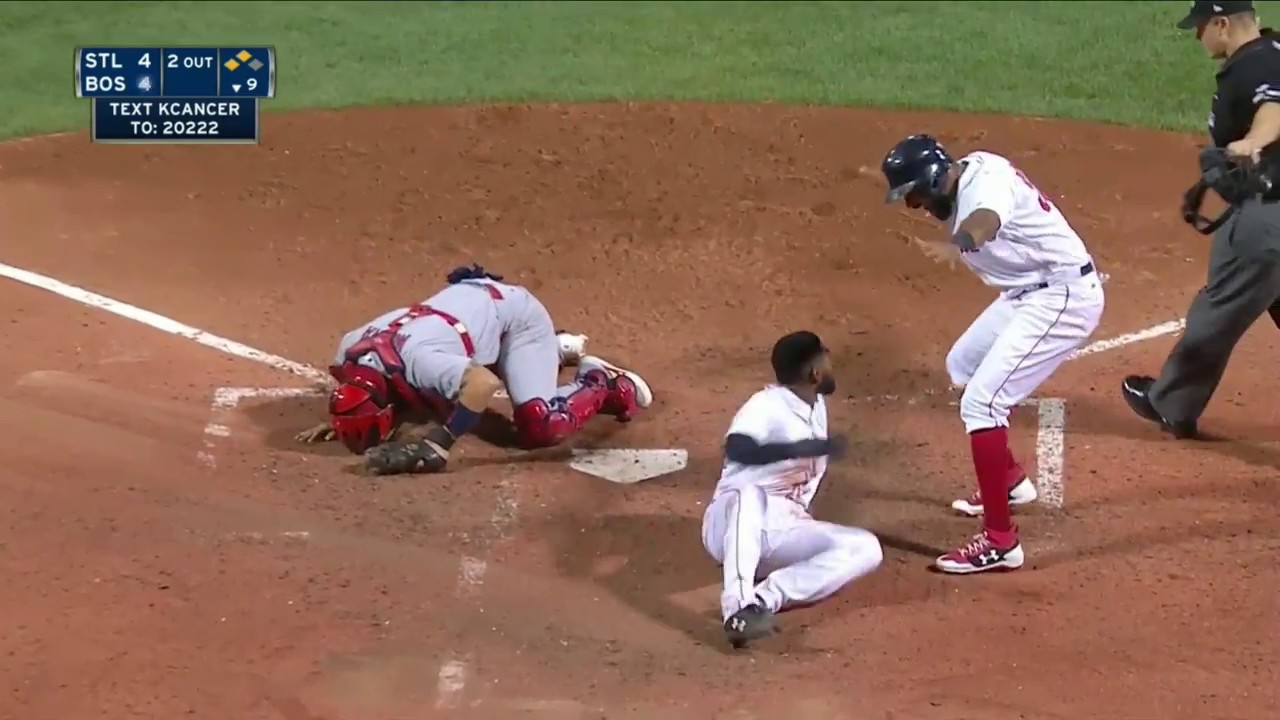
[[1085, 270]]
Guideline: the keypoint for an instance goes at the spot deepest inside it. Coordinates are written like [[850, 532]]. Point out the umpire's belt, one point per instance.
[[458, 327], [1066, 276]]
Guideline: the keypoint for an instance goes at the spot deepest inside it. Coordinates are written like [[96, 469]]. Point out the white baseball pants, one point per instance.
[[756, 535], [1015, 345]]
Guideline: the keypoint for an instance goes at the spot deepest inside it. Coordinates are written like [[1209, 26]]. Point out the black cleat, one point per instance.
[[750, 623], [1136, 390]]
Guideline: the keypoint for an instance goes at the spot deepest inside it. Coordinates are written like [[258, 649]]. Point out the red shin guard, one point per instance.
[[541, 424], [991, 461]]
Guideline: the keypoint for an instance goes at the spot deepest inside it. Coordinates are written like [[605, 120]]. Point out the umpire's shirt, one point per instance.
[[1247, 79]]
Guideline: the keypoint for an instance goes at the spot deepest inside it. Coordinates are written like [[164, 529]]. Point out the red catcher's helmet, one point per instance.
[[360, 410]]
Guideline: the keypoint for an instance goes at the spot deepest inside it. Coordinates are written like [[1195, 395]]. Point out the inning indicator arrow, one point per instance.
[[235, 88]]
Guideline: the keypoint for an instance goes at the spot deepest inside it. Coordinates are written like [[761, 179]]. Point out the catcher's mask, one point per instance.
[[916, 170], [360, 411]]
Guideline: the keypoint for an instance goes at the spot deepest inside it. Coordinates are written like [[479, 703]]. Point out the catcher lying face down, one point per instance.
[[446, 358]]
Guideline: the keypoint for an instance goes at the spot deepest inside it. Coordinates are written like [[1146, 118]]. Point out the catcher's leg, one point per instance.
[[546, 415], [547, 422]]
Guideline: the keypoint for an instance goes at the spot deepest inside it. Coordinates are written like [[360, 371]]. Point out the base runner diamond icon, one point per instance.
[[256, 65]]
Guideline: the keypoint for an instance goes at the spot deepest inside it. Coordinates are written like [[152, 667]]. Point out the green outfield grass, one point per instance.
[[1117, 61]]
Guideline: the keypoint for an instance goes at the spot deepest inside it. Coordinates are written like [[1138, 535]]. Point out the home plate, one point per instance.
[[629, 466]]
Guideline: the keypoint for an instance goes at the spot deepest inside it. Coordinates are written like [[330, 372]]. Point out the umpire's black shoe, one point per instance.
[[750, 623], [1137, 393]]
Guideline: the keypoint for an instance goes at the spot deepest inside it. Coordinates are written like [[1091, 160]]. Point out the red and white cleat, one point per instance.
[[1023, 493], [981, 554]]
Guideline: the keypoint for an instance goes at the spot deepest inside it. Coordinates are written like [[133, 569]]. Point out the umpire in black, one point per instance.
[[1244, 259]]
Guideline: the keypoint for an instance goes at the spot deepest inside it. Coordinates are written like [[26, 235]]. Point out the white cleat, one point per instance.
[[572, 347], [644, 394], [1024, 493]]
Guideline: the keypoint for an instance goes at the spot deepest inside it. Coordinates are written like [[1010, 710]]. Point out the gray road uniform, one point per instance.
[[496, 324], [484, 322]]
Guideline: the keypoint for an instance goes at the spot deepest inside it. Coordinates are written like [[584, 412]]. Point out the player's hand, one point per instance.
[[839, 447], [1245, 150], [939, 252], [319, 433]]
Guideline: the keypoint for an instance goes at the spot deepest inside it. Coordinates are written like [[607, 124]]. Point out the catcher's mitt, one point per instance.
[[406, 456], [1233, 179]]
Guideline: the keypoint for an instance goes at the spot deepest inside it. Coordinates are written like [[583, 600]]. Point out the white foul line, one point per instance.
[[160, 322], [452, 679], [451, 682], [225, 401], [1051, 431], [1155, 331], [1050, 448]]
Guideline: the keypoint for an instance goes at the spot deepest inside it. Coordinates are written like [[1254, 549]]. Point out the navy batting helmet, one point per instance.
[[916, 169]]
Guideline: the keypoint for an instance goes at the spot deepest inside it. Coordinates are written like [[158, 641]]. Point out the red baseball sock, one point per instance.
[[991, 458], [1014, 474]]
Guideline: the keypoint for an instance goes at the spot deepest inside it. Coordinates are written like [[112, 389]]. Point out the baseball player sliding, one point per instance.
[[1050, 302], [757, 523], [447, 357]]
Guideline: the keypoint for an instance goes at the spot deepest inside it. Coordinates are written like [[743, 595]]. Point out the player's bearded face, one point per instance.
[[939, 207], [826, 383]]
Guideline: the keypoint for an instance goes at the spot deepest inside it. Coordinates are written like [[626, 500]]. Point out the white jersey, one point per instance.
[[1035, 243], [777, 415]]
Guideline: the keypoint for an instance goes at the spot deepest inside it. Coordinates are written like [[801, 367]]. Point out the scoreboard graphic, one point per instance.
[[175, 95]]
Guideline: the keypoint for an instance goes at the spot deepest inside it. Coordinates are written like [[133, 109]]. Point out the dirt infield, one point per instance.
[[168, 568]]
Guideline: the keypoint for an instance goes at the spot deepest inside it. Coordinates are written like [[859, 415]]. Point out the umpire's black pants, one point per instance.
[[1243, 283]]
